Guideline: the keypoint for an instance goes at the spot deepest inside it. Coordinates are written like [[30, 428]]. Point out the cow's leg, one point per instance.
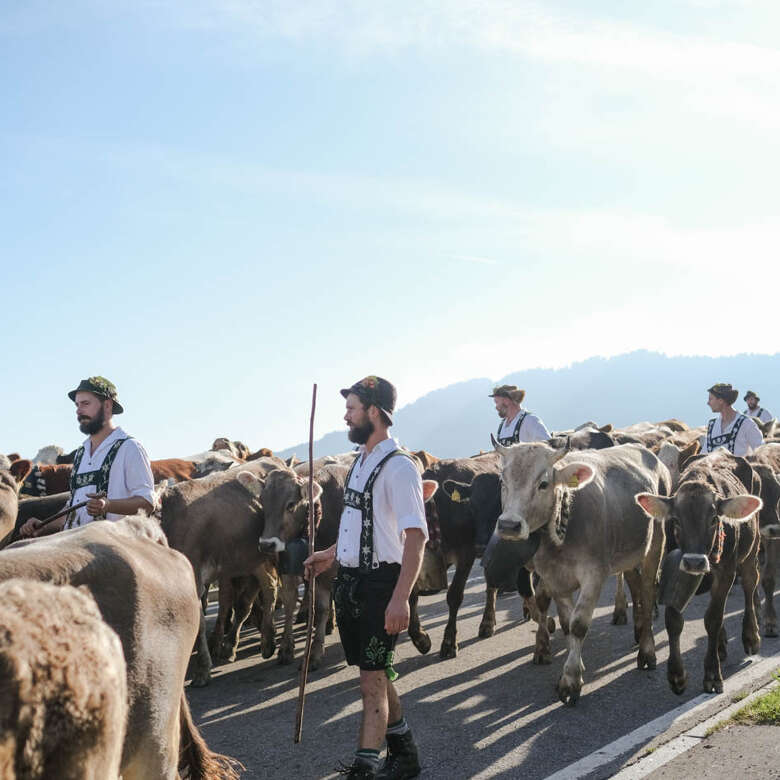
[[643, 612], [570, 682], [565, 605], [542, 654], [420, 638], [771, 547], [748, 571], [323, 591], [620, 613], [449, 644], [201, 664], [488, 625], [289, 599], [713, 622], [246, 590], [227, 595], [675, 671], [634, 580], [269, 588]]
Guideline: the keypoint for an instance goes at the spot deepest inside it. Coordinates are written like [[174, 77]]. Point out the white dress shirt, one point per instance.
[[748, 437], [130, 475], [532, 428], [397, 503], [761, 413]]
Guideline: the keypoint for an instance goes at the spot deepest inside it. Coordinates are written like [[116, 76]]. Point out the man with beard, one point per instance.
[[753, 409], [517, 424], [380, 545], [111, 470]]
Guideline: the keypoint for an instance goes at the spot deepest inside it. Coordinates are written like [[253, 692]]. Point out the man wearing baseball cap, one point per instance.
[[111, 470], [517, 424], [753, 409], [736, 432], [382, 535]]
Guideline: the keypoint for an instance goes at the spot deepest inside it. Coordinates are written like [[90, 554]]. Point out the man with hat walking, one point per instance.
[[517, 424], [111, 470], [753, 409], [382, 535], [736, 432]]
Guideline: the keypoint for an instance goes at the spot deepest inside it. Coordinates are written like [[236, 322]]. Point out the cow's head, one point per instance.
[[285, 498], [535, 482], [768, 517], [695, 512]]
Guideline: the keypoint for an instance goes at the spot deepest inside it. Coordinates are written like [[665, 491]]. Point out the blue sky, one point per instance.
[[217, 202]]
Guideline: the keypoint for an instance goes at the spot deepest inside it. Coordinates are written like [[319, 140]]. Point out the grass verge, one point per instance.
[[765, 710]]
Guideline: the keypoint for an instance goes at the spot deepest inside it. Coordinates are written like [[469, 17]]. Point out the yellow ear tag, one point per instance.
[[456, 496], [573, 481]]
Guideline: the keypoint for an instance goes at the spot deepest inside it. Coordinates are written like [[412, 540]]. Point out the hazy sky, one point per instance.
[[217, 202]]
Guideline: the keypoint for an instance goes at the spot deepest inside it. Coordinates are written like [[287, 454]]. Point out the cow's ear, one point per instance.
[[459, 492], [20, 469], [429, 487], [573, 475], [655, 506], [739, 507], [250, 482], [608, 428], [688, 452]]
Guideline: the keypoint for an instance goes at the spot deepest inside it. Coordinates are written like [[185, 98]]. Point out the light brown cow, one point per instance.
[[146, 593], [11, 477], [63, 677]]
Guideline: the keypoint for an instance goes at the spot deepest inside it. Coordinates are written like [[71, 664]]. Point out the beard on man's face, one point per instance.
[[91, 425], [360, 434], [501, 413]]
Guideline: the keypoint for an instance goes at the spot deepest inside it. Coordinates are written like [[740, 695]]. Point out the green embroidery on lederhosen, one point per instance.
[[97, 478]]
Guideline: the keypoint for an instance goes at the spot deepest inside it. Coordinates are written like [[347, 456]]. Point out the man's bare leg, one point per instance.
[[374, 688]]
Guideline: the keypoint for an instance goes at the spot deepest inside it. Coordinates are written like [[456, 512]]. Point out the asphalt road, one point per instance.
[[489, 713]]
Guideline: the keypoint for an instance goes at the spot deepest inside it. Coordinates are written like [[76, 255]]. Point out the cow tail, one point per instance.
[[196, 761]]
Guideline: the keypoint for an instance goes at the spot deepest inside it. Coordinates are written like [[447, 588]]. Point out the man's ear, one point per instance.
[[430, 486]]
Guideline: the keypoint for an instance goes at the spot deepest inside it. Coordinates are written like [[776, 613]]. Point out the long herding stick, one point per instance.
[[312, 576]]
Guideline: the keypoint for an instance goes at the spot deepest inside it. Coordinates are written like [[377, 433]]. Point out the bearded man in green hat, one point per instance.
[[111, 470]]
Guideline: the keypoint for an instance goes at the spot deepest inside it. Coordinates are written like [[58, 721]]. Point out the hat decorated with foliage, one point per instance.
[[750, 394], [724, 391], [100, 386], [512, 392], [375, 391]]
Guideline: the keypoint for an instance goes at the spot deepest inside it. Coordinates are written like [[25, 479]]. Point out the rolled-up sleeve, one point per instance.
[[138, 472], [406, 497], [753, 436]]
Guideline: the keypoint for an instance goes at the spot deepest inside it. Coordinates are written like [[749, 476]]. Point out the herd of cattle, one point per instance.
[[640, 503]]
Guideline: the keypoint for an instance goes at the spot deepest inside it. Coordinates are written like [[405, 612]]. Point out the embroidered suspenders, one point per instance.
[[98, 478], [364, 501], [505, 441], [727, 440]]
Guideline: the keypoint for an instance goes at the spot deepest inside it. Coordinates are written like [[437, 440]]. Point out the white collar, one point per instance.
[[117, 433], [383, 448]]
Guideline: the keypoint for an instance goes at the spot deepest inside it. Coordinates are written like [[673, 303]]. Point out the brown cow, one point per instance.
[[64, 683], [216, 522], [12, 476], [146, 593], [45, 480], [714, 520]]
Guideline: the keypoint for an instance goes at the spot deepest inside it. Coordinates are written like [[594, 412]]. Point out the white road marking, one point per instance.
[[644, 734]]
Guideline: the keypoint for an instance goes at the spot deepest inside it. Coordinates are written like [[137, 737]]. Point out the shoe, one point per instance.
[[357, 770], [402, 761]]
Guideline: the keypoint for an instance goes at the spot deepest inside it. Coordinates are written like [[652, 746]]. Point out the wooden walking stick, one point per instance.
[[312, 576]]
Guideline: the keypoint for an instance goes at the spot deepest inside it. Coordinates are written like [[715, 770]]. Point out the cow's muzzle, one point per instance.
[[770, 531], [271, 545], [511, 527], [695, 564]]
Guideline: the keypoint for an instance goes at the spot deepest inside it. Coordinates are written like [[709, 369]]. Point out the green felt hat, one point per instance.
[[100, 386]]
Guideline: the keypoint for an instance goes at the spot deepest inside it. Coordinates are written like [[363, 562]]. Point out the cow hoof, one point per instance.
[[422, 643], [645, 660], [551, 626], [713, 686], [752, 645], [315, 662], [678, 682], [542, 659], [267, 649], [200, 679], [286, 655], [619, 618], [227, 654], [448, 650], [486, 630], [568, 693], [770, 629]]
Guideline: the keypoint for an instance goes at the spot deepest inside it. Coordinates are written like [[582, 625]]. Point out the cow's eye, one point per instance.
[[544, 484], [290, 506]]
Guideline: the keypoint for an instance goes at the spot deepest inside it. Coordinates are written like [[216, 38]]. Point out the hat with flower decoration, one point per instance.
[[374, 391], [100, 386]]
